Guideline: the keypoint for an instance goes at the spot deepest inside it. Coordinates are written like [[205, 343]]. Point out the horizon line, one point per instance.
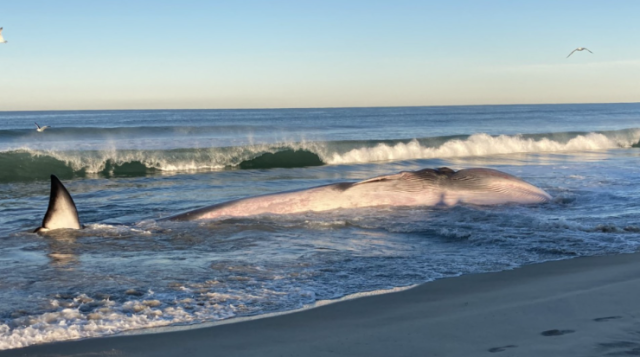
[[296, 108]]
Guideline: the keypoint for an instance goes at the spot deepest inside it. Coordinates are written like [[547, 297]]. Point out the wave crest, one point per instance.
[[480, 145], [30, 164]]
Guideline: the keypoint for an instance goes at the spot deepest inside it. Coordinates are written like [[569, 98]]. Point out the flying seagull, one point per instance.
[[41, 128], [2, 39], [579, 49]]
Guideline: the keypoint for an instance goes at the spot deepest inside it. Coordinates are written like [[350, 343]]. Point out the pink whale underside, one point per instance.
[[427, 187]]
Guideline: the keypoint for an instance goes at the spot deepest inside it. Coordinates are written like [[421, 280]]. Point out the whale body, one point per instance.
[[427, 187]]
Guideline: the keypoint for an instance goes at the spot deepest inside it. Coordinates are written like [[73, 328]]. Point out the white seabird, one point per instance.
[[579, 49], [2, 40], [41, 128]]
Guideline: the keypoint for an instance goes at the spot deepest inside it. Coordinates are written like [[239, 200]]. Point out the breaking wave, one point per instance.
[[484, 144], [34, 164]]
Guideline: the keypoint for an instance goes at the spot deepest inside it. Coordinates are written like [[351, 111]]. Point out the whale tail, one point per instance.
[[62, 212]]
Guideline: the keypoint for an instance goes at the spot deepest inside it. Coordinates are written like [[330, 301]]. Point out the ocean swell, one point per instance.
[[33, 164]]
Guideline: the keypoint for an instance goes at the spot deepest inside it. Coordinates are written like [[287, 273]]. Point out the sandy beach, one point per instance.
[[579, 307]]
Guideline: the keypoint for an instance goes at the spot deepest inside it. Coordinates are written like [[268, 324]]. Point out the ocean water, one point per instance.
[[125, 169]]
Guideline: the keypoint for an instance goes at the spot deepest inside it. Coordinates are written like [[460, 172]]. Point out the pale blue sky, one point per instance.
[[273, 54]]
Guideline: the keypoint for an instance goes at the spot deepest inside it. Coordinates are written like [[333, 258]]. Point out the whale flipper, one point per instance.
[[62, 212]]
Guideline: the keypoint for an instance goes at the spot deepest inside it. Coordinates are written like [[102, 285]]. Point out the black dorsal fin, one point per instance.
[[62, 212]]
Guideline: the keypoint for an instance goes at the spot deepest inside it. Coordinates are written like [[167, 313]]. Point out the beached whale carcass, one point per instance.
[[427, 187]]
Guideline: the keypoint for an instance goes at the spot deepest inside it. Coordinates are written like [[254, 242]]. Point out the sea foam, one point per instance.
[[479, 145], [28, 163]]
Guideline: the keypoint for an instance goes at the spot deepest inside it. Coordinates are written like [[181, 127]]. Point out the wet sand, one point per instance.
[[579, 307]]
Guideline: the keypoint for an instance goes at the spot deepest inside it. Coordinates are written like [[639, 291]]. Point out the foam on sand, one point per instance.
[[578, 307]]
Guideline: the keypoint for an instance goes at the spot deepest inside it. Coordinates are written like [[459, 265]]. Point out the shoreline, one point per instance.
[[585, 306], [234, 320]]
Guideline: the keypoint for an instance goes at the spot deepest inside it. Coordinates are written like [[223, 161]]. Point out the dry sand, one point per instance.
[[579, 307]]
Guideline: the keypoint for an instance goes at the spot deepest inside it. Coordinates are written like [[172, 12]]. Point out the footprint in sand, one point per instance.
[[556, 332], [500, 349], [600, 319]]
